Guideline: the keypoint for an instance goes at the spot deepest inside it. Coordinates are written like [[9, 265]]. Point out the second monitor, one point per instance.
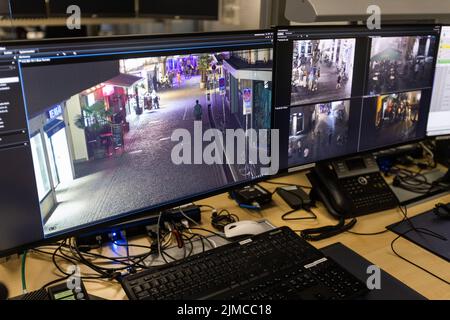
[[346, 90]]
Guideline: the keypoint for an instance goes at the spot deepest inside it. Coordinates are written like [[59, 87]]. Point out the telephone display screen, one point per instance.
[[355, 164]]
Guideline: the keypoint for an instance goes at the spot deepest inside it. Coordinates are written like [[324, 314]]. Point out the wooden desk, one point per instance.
[[40, 270]]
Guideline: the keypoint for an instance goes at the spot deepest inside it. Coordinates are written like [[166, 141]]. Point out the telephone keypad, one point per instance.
[[369, 193]]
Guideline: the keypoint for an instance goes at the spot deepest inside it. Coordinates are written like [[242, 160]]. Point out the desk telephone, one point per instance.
[[352, 187]]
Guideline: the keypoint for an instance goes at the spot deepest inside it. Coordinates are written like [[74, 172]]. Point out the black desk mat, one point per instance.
[[391, 288], [430, 221]]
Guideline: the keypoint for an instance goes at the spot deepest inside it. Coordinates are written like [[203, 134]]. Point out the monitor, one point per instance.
[[343, 90], [199, 9], [439, 119], [97, 131], [28, 8], [89, 8]]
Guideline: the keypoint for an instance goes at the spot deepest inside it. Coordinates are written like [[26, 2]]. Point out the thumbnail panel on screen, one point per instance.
[[401, 63], [322, 70], [106, 149], [390, 119], [318, 131]]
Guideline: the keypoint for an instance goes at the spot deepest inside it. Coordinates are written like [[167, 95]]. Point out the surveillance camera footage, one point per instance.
[[322, 70], [317, 131], [345, 90], [401, 63], [391, 119], [102, 144]]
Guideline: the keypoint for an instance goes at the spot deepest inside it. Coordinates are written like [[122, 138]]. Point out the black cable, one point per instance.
[[54, 282], [284, 216], [66, 275], [419, 230], [220, 220], [415, 182], [317, 234], [368, 234], [191, 243], [209, 241], [286, 184], [78, 258], [131, 258], [409, 261], [303, 207], [168, 255]]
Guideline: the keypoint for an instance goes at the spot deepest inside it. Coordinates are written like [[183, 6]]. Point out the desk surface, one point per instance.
[[40, 270]]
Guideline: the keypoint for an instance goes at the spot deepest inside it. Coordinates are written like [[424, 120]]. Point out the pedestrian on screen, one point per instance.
[[198, 112], [339, 80], [179, 79]]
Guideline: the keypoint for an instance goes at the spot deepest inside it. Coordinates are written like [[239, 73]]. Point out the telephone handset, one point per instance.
[[352, 187]]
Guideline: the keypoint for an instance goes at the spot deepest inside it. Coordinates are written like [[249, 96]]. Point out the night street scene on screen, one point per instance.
[[106, 149], [401, 63], [322, 70], [318, 131], [396, 119]]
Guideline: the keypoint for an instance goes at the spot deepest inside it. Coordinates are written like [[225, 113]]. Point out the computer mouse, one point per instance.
[[244, 228]]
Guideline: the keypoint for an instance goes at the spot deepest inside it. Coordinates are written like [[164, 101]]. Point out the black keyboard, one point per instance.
[[276, 265]]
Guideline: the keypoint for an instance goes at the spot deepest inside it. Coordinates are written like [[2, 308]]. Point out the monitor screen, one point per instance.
[[90, 8], [439, 119], [199, 9], [96, 130], [28, 8], [344, 90]]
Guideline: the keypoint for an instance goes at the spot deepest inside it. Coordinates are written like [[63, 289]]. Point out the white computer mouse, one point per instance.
[[244, 228]]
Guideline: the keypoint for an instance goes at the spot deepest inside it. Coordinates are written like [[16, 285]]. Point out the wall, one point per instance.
[[248, 18], [78, 145]]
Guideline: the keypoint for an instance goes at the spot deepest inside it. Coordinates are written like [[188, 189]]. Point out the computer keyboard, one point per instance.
[[276, 265]]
